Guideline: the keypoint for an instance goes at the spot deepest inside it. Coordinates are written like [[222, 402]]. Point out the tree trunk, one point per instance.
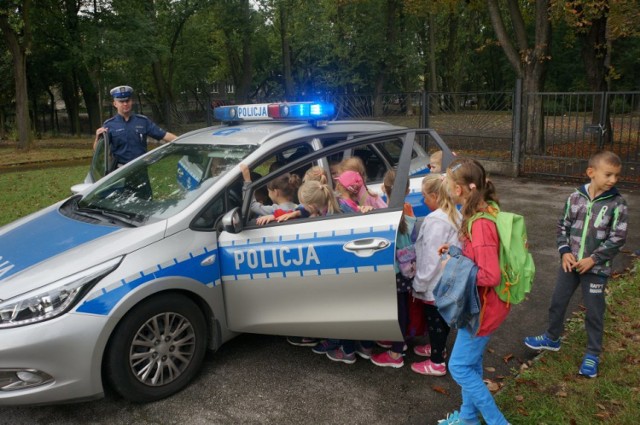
[[71, 102], [529, 63], [595, 54], [90, 97], [433, 77], [19, 58], [289, 89]]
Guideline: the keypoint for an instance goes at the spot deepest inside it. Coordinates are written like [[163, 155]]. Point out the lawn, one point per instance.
[[549, 390]]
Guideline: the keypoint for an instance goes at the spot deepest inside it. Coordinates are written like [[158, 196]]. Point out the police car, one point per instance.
[[128, 282]]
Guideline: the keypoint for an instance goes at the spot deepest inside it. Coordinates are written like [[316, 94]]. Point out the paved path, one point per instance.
[[262, 379]]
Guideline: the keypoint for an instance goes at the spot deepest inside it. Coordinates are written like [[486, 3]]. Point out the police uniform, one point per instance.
[[128, 138]]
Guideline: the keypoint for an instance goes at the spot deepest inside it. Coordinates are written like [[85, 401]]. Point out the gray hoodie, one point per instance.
[[436, 230]]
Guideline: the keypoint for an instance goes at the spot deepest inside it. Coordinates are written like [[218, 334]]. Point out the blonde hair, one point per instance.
[[318, 194], [433, 183], [471, 176], [354, 163], [316, 173]]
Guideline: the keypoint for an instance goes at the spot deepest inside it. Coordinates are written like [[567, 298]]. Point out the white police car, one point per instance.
[[129, 282]]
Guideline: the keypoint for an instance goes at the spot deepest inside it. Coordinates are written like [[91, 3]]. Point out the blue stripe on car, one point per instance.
[[45, 237]]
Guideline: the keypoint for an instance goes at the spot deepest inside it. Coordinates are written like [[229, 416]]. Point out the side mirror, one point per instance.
[[232, 222], [79, 188]]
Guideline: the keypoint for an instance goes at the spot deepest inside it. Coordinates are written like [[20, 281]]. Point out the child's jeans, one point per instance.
[[593, 297], [465, 366]]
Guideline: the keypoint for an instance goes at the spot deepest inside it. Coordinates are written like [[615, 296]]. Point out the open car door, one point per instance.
[[102, 162], [330, 276]]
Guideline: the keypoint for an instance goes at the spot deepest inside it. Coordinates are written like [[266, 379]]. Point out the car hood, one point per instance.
[[48, 246]]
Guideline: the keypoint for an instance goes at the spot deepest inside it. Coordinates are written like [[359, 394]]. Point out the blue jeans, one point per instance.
[[465, 366]]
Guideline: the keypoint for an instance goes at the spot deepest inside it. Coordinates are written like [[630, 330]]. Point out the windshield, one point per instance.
[[163, 183]]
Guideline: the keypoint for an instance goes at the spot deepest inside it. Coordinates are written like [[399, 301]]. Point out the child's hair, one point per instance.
[[434, 183], [387, 185], [287, 184], [471, 176], [318, 194], [316, 173], [607, 157], [354, 163], [436, 158]]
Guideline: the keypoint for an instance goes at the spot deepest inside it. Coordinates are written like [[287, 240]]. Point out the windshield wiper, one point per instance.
[[132, 220]]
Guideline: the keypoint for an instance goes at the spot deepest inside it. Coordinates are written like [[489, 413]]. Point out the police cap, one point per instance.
[[121, 92]]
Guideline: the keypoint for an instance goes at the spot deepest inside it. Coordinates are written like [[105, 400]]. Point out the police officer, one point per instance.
[[128, 131]]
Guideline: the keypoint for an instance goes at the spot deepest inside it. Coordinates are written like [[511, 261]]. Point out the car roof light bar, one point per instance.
[[300, 111]]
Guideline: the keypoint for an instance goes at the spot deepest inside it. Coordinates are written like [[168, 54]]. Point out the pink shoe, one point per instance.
[[385, 360], [384, 344], [423, 350], [428, 367]]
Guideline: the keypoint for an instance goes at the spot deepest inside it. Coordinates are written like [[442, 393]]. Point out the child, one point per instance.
[[316, 173], [281, 190], [316, 200], [364, 196], [435, 162], [438, 228], [589, 234], [468, 185], [348, 185], [393, 357]]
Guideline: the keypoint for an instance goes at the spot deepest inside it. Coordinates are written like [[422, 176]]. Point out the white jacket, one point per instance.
[[436, 230]]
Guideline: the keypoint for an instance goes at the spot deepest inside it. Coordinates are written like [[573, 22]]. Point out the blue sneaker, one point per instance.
[[338, 355], [589, 366], [451, 419], [542, 342], [455, 419]]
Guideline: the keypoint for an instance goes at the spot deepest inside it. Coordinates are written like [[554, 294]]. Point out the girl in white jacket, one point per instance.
[[438, 228]]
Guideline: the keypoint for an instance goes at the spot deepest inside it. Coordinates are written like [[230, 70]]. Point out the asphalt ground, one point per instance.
[[256, 379]]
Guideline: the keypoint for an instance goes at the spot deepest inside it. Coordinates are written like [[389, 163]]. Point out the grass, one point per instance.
[[549, 390], [24, 192]]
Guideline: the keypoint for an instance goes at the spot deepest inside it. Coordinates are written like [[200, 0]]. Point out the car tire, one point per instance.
[[157, 348]]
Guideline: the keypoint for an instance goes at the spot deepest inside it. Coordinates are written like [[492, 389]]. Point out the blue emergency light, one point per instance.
[[303, 111]]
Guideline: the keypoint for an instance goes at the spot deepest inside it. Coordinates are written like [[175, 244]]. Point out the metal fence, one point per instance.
[[574, 125]]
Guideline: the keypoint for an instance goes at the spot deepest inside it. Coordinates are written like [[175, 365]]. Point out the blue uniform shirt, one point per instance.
[[129, 138]]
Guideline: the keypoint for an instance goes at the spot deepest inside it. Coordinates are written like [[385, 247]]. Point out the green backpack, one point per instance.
[[516, 262]]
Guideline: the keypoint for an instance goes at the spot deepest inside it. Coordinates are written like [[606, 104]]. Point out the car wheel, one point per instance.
[[157, 349]]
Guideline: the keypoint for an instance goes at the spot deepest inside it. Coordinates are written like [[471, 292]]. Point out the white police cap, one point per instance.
[[121, 92]]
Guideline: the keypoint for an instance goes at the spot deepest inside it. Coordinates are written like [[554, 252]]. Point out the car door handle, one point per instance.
[[366, 247]]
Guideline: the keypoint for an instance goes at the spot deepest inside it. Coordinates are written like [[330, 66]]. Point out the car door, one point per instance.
[[102, 160], [329, 276]]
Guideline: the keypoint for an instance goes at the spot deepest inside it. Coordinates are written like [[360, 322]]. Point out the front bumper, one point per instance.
[[68, 349]]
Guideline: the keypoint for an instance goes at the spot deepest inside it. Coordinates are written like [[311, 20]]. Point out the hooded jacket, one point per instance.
[[593, 227]]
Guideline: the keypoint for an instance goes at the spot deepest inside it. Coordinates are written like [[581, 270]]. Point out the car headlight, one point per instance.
[[53, 299]]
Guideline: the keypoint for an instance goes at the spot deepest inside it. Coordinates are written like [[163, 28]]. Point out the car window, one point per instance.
[[165, 182], [373, 163]]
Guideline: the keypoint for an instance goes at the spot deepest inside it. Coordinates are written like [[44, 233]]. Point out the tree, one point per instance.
[[529, 61], [16, 30]]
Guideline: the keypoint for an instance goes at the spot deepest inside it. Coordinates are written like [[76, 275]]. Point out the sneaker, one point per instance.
[[364, 352], [451, 419], [423, 350], [323, 346], [301, 341], [385, 360], [338, 355], [542, 342], [589, 366], [428, 367], [384, 344]]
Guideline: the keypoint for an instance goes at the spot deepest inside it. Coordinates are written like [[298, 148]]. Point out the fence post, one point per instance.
[[517, 124], [424, 116]]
